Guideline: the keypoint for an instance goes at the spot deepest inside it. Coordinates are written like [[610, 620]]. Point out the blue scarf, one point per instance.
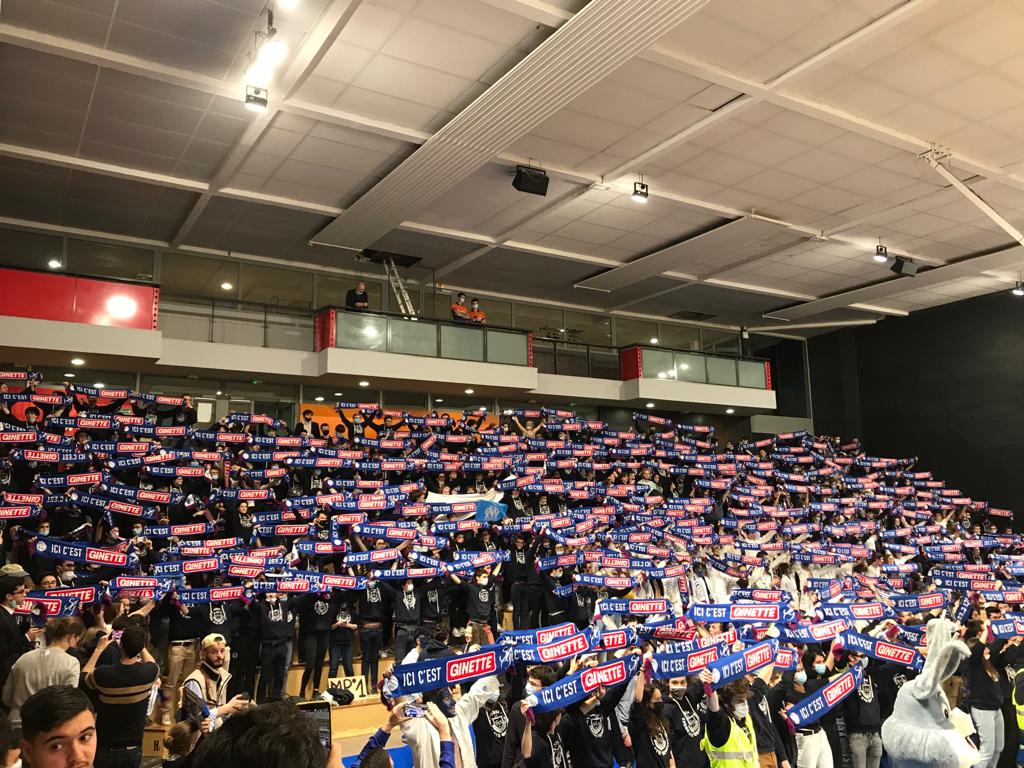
[[812, 708], [881, 649], [742, 613], [57, 549], [559, 649], [685, 663], [580, 685], [747, 661], [448, 671]]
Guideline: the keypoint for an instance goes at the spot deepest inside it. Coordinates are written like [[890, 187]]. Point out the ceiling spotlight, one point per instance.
[[256, 98], [469, 391], [730, 411], [220, 392], [1018, 289], [54, 264], [438, 399], [226, 286], [650, 405], [640, 192], [662, 375], [77, 361], [881, 254], [654, 339], [69, 375], [99, 385], [272, 52], [364, 383], [532, 181], [319, 398], [338, 394]]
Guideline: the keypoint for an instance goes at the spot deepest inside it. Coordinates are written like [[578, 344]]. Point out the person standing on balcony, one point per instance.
[[357, 298], [477, 315], [307, 427], [460, 313]]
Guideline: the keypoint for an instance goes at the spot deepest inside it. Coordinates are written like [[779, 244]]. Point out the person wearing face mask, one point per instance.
[[481, 605], [813, 747], [729, 740], [277, 628], [590, 726], [407, 601], [543, 744], [537, 677], [648, 727], [556, 607], [771, 752], [863, 716], [370, 610], [685, 711]]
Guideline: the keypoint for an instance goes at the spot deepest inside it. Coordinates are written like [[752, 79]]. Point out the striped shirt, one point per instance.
[[120, 693]]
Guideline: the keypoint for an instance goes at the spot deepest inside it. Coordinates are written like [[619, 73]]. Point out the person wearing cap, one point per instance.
[[14, 640], [209, 681]]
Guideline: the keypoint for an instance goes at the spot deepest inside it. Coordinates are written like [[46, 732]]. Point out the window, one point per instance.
[[404, 401], [278, 287], [679, 336], [721, 342], [86, 257], [543, 321], [588, 329], [185, 276], [628, 332], [498, 312], [29, 250], [331, 290]]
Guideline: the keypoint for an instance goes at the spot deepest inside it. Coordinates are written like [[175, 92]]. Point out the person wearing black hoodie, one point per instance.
[[589, 727], [863, 714], [685, 711], [986, 672]]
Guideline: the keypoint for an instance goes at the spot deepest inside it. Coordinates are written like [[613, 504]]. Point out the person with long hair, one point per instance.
[[648, 726]]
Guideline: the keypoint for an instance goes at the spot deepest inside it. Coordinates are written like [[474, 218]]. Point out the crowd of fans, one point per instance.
[[528, 589]]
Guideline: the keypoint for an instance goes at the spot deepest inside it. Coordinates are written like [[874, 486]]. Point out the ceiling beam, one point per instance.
[[592, 44], [122, 62], [314, 47]]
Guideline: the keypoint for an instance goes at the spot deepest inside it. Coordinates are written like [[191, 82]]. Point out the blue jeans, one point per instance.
[[341, 651], [370, 641]]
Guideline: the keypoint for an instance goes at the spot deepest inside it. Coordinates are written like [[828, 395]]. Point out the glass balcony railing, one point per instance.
[[400, 334], [569, 359], [705, 369]]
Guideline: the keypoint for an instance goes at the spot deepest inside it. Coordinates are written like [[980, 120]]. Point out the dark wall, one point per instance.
[[944, 384]]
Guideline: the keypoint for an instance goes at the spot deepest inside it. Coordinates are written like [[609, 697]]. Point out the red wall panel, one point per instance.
[[73, 299], [631, 363]]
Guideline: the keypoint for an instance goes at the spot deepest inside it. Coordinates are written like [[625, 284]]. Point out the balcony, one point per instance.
[[696, 367], [404, 335]]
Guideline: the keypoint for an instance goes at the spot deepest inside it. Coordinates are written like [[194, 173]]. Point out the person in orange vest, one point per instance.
[[459, 311], [476, 315]]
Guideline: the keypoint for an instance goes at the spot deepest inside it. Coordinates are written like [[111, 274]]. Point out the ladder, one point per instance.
[[398, 288]]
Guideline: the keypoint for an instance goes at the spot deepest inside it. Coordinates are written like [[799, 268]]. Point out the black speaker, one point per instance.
[[532, 181], [904, 267]]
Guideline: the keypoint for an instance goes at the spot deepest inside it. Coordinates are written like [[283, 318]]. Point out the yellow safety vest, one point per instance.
[[739, 750], [1018, 707]]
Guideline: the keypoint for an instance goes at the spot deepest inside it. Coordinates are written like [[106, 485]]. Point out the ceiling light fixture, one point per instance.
[[77, 361], [226, 286], [319, 398], [364, 383], [338, 394], [640, 191], [69, 375], [730, 411], [469, 391], [654, 339], [99, 385], [650, 405], [54, 264], [438, 399], [1018, 289], [881, 254], [256, 98], [220, 392], [662, 375]]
